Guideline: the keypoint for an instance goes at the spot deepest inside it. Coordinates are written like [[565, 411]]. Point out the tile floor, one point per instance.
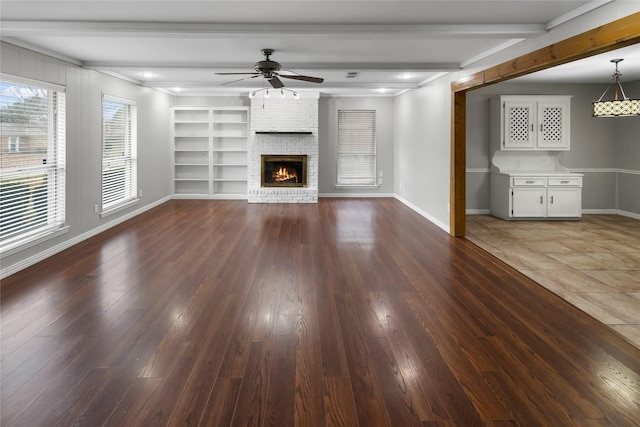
[[594, 263]]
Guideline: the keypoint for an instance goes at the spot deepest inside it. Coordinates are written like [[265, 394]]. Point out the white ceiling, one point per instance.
[[184, 43]]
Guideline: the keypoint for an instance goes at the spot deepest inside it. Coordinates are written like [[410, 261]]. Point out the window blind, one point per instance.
[[32, 161], [119, 152], [356, 147]]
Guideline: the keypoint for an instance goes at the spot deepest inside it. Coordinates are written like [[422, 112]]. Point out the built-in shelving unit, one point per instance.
[[210, 152]]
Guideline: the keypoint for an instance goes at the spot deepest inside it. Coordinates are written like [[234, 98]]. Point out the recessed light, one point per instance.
[[147, 74], [407, 75], [352, 74], [382, 90]]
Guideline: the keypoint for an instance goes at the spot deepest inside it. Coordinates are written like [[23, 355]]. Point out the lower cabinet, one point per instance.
[[529, 197]]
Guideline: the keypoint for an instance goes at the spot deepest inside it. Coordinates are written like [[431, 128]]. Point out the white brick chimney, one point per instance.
[[277, 114]]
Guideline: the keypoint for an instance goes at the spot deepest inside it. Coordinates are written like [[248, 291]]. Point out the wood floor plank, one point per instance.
[[338, 402], [348, 312], [366, 392], [309, 397], [252, 397], [282, 378]]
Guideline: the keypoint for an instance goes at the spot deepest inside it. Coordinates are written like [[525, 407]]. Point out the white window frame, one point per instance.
[[356, 149], [13, 144], [119, 193], [53, 166]]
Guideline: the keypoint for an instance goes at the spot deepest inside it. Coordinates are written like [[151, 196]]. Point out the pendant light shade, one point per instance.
[[620, 105]]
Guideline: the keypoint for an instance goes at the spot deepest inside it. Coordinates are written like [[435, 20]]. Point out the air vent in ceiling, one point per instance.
[[352, 74]]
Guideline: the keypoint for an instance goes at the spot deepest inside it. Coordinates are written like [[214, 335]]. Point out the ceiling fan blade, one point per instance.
[[304, 78], [233, 74], [239, 80], [276, 82]]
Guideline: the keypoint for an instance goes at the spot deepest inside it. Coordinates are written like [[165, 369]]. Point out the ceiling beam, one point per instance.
[[316, 66], [207, 30]]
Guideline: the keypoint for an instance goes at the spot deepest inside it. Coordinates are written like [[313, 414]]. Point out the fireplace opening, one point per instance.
[[283, 171]]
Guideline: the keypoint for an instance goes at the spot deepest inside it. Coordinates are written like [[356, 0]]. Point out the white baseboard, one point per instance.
[[611, 212], [209, 197], [599, 212], [413, 207], [358, 195], [629, 214], [478, 211], [20, 265]]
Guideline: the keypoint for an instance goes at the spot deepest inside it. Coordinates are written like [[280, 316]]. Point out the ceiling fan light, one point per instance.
[[620, 105]]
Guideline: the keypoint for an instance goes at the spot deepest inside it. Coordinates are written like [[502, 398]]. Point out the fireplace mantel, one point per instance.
[[276, 132]]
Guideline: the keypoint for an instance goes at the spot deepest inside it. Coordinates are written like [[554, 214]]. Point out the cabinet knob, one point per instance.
[[564, 182]]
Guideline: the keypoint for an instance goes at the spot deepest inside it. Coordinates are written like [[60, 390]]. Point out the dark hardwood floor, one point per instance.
[[349, 312]]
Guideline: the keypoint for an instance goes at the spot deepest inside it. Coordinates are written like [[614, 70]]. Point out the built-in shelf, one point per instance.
[[210, 152]]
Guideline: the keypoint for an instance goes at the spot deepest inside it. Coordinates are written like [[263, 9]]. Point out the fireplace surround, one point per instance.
[[284, 127], [283, 170]]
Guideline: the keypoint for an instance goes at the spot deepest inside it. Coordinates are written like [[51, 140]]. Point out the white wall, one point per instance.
[[422, 149], [83, 181], [423, 118], [328, 143]]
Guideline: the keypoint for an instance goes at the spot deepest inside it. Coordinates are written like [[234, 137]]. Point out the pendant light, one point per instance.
[[620, 105]]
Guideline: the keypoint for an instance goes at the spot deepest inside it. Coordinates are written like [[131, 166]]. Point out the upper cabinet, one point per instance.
[[530, 122]]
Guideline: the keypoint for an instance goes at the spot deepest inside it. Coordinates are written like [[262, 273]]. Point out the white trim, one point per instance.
[[586, 8], [477, 170], [511, 42], [26, 81], [629, 214], [118, 208], [604, 170], [118, 99], [594, 170], [20, 43], [629, 171], [35, 239], [599, 212], [358, 186], [359, 195], [219, 196], [20, 265], [478, 211], [611, 212], [432, 219]]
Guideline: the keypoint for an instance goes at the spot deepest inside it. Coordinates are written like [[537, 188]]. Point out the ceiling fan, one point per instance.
[[269, 70]]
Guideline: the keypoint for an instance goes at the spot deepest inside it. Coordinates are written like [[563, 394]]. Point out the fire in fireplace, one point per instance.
[[284, 171]]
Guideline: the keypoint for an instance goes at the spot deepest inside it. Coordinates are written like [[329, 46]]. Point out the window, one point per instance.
[[13, 144], [356, 147], [119, 153], [32, 164]]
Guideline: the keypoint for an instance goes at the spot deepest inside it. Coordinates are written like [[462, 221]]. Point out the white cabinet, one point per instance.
[[210, 151], [527, 122], [517, 196]]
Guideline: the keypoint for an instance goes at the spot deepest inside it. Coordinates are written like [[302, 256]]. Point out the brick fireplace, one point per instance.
[[284, 128]]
